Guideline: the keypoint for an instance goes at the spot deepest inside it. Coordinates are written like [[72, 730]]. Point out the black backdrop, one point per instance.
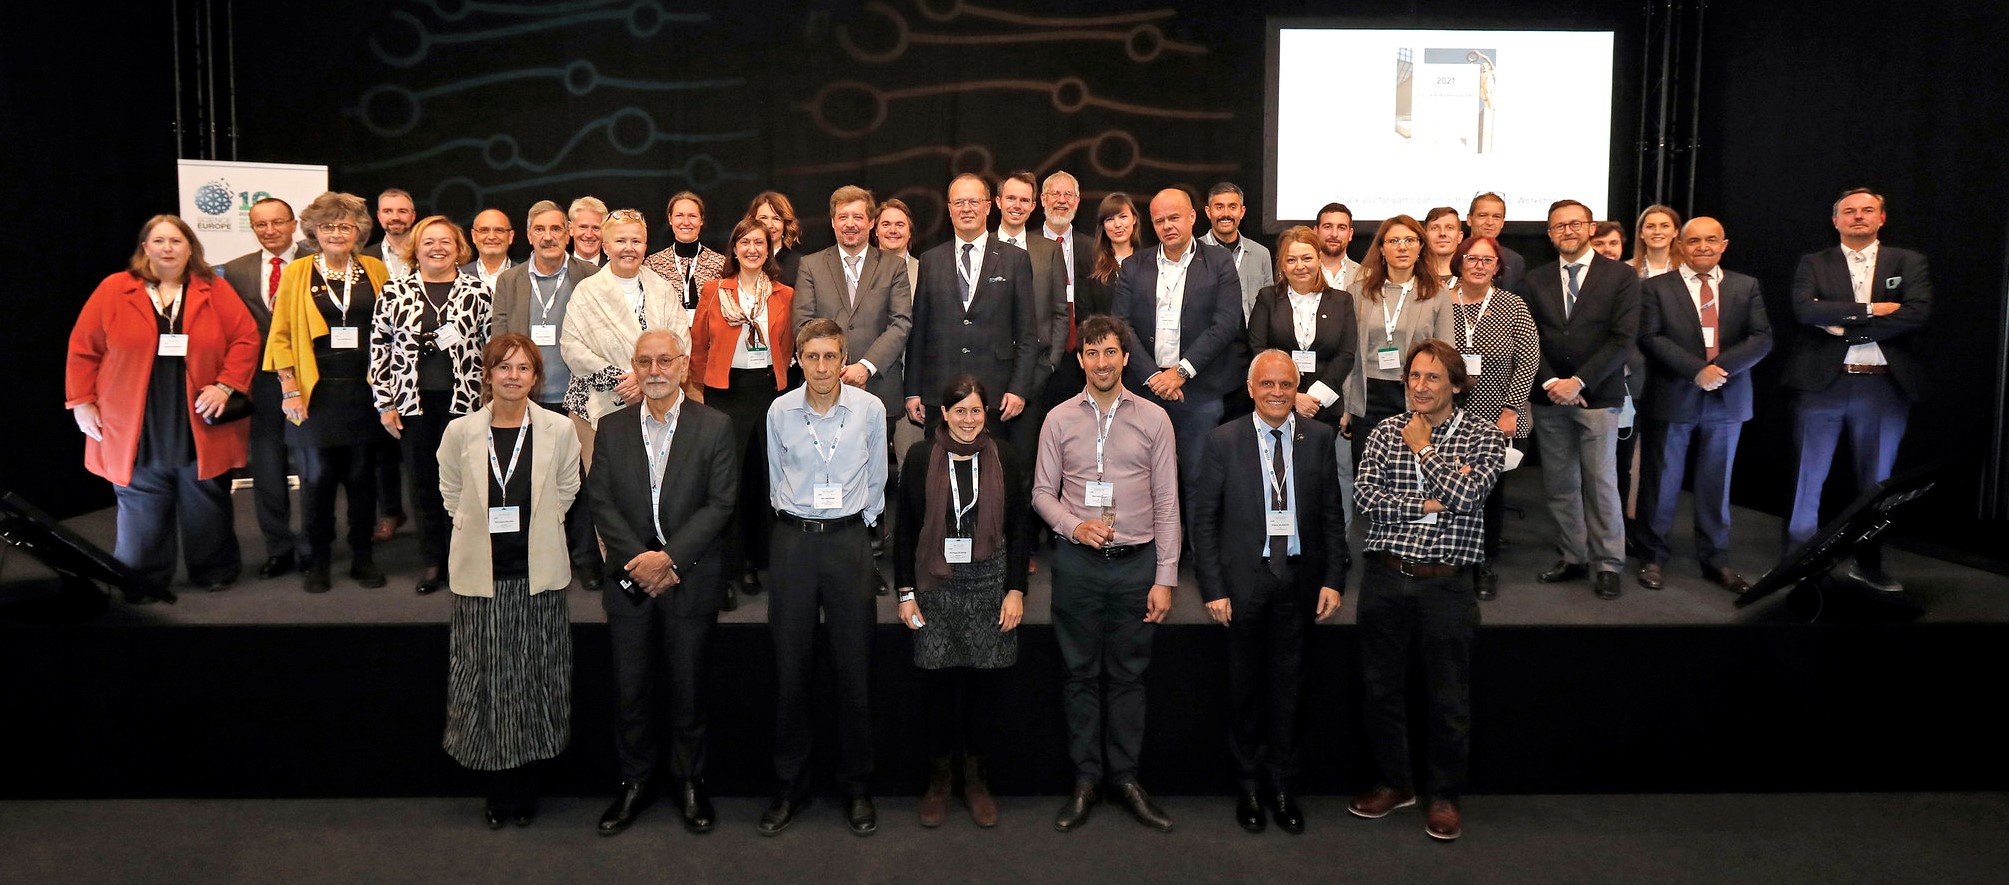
[[635, 100]]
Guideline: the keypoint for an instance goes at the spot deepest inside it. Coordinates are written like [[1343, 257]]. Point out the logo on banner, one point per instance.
[[215, 201]]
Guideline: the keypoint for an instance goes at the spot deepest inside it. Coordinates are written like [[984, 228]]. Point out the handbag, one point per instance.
[[236, 408]]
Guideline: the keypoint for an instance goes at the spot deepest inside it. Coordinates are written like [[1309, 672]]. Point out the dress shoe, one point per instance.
[[1441, 821], [749, 583], [1074, 812], [212, 585], [1485, 582], [1142, 808], [977, 793], [1873, 578], [1563, 571], [1649, 576], [861, 816], [314, 577], [494, 817], [433, 582], [1607, 585], [522, 815], [366, 573], [627, 806], [386, 527], [276, 565], [1375, 804], [1290, 818], [1726, 578], [935, 800], [731, 602], [1249, 813], [778, 816], [697, 807]]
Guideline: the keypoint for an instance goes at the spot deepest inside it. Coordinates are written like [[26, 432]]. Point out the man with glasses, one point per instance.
[[1586, 307], [1060, 197], [255, 276], [1335, 233], [974, 312], [1488, 216], [492, 237]]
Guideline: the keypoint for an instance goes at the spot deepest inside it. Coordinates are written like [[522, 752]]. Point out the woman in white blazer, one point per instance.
[[507, 473]]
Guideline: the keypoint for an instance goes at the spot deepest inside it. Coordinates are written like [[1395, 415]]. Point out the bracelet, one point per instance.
[[227, 389], [290, 394], [907, 596], [1426, 451]]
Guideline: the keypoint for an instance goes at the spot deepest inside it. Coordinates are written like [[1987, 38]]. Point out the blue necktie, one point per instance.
[[1570, 294]]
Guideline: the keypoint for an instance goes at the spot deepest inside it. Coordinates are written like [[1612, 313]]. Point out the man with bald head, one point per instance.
[[492, 237], [1701, 329], [1184, 301]]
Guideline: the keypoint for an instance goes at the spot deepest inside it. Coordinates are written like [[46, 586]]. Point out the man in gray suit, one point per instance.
[[530, 299], [1017, 196], [255, 276], [1253, 268]]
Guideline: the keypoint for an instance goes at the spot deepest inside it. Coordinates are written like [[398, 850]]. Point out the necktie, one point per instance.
[[1711, 336], [1570, 294], [1279, 500], [969, 288], [851, 277], [272, 283]]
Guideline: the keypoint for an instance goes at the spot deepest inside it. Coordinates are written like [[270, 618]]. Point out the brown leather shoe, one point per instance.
[[1649, 576], [935, 802], [1442, 821], [1727, 578], [977, 793], [386, 527], [1375, 804]]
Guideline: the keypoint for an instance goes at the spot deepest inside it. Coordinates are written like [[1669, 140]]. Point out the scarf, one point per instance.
[[988, 519]]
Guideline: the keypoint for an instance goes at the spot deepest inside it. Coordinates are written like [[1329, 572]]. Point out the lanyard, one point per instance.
[[502, 476], [1103, 425], [1278, 485], [1450, 430], [544, 304], [818, 440], [956, 489], [1471, 327], [1388, 322], [658, 464], [173, 307], [348, 286]]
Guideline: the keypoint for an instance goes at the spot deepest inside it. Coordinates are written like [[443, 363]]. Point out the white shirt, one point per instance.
[[1563, 274], [1694, 281], [631, 287], [394, 262], [487, 278], [1017, 239], [976, 263], [1066, 240], [1304, 322], [1862, 278], [1172, 298], [1349, 270]]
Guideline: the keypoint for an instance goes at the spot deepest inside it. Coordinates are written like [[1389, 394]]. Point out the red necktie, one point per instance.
[[1070, 282], [272, 283], [1711, 335]]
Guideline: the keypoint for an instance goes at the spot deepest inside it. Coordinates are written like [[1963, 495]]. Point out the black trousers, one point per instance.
[[322, 471], [580, 537], [1436, 621], [1098, 618], [745, 401], [163, 502], [1495, 512], [390, 477], [268, 468], [828, 572], [421, 449], [1266, 671], [961, 709], [649, 642]]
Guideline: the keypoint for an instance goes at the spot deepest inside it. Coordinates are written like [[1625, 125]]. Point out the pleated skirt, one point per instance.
[[509, 682]]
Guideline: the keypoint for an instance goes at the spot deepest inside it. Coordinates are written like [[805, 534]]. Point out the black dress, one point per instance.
[[342, 412]]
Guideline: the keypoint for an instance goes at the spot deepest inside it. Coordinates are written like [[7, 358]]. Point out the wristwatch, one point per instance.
[[227, 389], [1183, 373]]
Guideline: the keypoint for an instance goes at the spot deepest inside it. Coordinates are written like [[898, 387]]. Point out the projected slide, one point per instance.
[[1397, 121]]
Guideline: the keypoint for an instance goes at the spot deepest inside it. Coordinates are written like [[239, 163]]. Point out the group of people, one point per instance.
[[1140, 393]]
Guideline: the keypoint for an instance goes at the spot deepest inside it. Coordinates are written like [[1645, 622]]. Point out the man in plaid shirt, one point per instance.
[[1423, 481]]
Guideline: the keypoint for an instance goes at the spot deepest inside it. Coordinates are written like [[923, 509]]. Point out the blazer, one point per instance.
[[1210, 319], [463, 485], [514, 307], [1513, 270], [995, 339], [1049, 303], [598, 338], [1599, 336], [1254, 269], [246, 275], [1335, 339], [1092, 296], [110, 362], [1418, 320], [297, 322], [914, 504], [713, 340], [1670, 334], [394, 343], [1226, 511], [700, 489], [876, 327], [1822, 297]]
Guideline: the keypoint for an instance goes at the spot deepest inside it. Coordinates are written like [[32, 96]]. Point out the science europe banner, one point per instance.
[[216, 198]]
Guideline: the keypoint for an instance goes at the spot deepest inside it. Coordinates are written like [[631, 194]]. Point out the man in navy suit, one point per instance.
[[974, 312], [1269, 536], [1855, 362], [1702, 328], [1184, 301]]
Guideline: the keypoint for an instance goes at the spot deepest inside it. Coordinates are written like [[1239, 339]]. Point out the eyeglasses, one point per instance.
[[335, 227], [1063, 195], [623, 216], [967, 203], [1401, 241], [271, 225], [1571, 226], [646, 362], [1480, 260], [484, 231]]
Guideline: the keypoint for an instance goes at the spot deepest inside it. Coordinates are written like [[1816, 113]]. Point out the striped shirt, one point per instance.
[[1393, 484]]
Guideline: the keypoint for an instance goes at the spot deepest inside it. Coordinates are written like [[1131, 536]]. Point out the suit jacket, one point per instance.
[[1049, 299], [463, 485], [1255, 270], [1599, 336], [700, 489], [1229, 500], [244, 274], [1210, 319], [1335, 339], [1670, 334], [514, 310], [1513, 271], [1822, 297], [876, 327], [996, 339]]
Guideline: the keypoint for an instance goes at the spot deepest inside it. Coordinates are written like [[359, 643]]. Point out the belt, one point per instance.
[[1865, 369], [1412, 569], [1120, 551], [817, 526]]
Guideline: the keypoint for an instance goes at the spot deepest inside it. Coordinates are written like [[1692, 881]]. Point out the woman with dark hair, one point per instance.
[[741, 342], [156, 354], [1441, 235], [1395, 306], [1497, 339], [964, 534], [772, 209], [1123, 232], [1313, 322], [508, 472], [687, 263]]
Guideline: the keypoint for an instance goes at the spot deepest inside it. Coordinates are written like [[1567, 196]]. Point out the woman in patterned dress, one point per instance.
[[1496, 335]]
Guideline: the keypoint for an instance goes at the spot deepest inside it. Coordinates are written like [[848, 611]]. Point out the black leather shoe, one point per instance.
[[276, 566], [314, 577], [697, 807], [1074, 812], [1485, 582], [1563, 571], [1249, 813], [1607, 585], [366, 573], [1142, 808], [861, 816], [589, 576], [434, 584], [778, 816], [731, 602], [749, 583], [1873, 578], [212, 585], [1290, 818], [493, 817], [627, 806], [523, 815], [880, 578]]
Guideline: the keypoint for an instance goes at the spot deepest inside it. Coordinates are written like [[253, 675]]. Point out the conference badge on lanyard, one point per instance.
[[505, 520]]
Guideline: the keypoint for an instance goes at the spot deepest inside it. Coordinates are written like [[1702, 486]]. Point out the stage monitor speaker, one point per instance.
[[67, 585], [1808, 569]]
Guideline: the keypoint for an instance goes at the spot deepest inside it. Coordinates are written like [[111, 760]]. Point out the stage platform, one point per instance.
[[262, 690]]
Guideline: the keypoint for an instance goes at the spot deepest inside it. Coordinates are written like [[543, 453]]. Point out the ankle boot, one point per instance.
[[977, 793], [935, 802]]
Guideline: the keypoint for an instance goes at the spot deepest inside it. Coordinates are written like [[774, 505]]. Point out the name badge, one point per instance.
[[1389, 359], [1099, 494], [1305, 360], [447, 335], [1708, 337], [545, 335], [1282, 523], [173, 345], [957, 549], [1474, 363], [1428, 519], [1168, 319], [758, 358], [344, 337], [828, 496], [504, 520]]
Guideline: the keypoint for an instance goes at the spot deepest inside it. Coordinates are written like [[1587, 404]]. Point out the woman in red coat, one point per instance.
[[160, 347]]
